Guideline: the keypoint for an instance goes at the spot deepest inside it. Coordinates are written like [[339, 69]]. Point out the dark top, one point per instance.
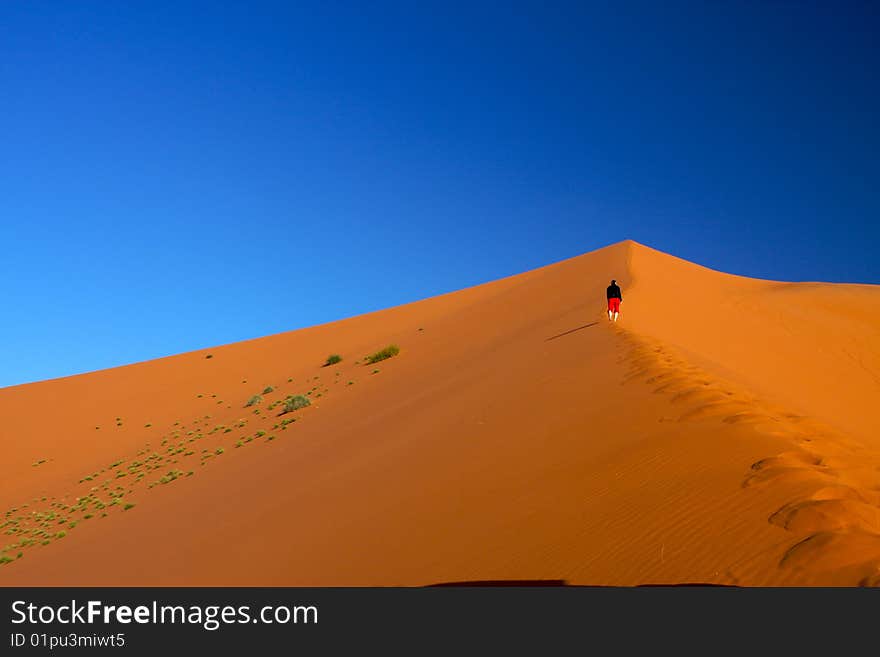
[[613, 292]]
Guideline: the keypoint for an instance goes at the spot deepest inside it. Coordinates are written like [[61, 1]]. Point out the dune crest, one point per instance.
[[721, 438]]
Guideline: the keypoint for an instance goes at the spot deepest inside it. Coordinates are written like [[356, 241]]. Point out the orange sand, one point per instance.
[[518, 435]]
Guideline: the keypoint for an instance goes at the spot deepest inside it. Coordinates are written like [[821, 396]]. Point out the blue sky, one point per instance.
[[179, 175]]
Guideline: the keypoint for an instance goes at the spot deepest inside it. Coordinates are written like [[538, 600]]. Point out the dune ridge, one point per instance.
[[518, 436]]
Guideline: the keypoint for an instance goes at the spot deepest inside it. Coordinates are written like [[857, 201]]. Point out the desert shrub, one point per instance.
[[168, 478], [128, 506], [332, 359], [383, 354], [295, 403], [268, 389]]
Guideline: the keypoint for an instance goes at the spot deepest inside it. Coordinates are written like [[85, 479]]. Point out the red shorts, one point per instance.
[[614, 305]]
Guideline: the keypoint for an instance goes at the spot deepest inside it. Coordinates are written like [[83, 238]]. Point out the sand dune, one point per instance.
[[722, 432]]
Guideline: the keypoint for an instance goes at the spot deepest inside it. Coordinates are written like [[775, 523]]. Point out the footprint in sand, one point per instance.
[[789, 466], [818, 515], [838, 550]]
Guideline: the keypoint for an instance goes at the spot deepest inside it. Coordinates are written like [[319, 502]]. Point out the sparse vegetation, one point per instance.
[[209, 355], [51, 522], [171, 476], [388, 352], [295, 403]]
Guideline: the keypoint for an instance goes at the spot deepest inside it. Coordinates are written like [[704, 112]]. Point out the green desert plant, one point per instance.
[[332, 359], [295, 403], [388, 352], [268, 389]]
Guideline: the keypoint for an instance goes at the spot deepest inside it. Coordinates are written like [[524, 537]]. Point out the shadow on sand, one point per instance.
[[579, 328]]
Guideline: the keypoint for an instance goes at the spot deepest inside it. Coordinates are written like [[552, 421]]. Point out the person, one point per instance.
[[614, 299]]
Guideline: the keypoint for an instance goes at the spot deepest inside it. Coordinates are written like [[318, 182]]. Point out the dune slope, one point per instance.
[[517, 435]]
